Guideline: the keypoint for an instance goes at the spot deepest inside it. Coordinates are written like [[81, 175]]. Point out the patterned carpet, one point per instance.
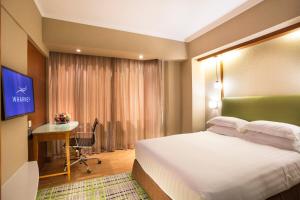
[[117, 187]]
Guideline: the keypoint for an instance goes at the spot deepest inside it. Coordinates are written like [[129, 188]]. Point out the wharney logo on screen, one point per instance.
[[23, 90], [21, 99]]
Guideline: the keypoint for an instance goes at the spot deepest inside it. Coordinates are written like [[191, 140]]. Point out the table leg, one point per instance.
[[68, 155], [35, 148]]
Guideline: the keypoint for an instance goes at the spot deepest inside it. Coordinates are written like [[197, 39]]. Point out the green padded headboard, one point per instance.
[[273, 108]]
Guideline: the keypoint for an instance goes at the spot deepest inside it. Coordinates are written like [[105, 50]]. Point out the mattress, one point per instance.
[[208, 166]]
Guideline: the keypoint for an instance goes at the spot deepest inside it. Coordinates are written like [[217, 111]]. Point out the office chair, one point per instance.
[[78, 144]]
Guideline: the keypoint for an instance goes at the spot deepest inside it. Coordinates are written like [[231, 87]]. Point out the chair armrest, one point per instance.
[[77, 134]]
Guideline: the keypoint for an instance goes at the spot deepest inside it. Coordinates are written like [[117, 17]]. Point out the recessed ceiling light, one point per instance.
[[78, 50], [141, 56]]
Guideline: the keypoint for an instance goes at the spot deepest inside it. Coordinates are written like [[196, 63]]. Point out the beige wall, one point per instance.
[[14, 131], [20, 21], [187, 95], [258, 18], [198, 97], [264, 15], [269, 68], [173, 95], [211, 94], [193, 96], [67, 36], [28, 17]]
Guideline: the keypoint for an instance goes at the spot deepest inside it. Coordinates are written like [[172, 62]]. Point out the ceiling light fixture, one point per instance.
[[217, 84], [141, 57], [78, 50]]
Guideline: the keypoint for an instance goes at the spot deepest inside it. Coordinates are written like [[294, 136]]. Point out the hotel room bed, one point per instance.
[[210, 166]]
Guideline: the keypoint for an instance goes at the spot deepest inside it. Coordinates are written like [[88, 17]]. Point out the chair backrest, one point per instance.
[[94, 129]]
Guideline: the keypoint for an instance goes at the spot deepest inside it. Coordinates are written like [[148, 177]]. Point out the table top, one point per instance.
[[55, 128]]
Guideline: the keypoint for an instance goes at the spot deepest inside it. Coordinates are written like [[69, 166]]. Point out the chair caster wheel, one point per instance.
[[99, 161], [89, 171]]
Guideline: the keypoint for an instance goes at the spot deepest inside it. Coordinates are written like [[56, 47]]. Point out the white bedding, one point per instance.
[[209, 166]]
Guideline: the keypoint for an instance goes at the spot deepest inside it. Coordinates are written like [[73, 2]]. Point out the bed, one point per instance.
[[178, 167]]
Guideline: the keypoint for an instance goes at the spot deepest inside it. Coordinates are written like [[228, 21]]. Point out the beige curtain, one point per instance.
[[125, 95]]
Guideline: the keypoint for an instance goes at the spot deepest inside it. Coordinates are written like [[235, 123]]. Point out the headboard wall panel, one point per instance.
[[273, 108]]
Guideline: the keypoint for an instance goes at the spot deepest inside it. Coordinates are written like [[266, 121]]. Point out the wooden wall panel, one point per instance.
[[37, 70]]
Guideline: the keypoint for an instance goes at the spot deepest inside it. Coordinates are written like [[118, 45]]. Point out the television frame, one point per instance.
[[3, 117]]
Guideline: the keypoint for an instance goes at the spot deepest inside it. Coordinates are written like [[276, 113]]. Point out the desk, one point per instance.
[[49, 132]]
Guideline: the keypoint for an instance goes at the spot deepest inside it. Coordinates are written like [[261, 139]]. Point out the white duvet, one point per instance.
[[209, 166]]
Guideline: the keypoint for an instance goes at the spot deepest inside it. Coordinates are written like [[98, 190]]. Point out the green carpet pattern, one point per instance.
[[117, 187]]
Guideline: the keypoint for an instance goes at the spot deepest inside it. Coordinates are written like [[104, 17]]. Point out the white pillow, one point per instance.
[[231, 122], [265, 139], [278, 129], [222, 130]]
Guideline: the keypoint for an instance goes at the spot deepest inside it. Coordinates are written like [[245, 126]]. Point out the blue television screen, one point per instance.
[[17, 93]]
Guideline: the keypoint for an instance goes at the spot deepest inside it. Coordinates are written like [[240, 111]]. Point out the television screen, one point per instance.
[[17, 94]]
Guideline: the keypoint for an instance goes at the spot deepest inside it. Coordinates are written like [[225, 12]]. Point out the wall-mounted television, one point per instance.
[[17, 94]]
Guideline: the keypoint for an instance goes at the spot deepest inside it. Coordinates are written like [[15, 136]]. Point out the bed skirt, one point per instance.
[[156, 193]]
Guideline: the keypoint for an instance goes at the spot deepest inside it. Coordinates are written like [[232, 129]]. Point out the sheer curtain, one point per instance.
[[125, 95]]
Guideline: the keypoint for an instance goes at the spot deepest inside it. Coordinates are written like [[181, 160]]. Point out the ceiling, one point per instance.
[[181, 20]]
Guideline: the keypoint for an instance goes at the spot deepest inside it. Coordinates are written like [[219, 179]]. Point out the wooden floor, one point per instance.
[[112, 163]]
